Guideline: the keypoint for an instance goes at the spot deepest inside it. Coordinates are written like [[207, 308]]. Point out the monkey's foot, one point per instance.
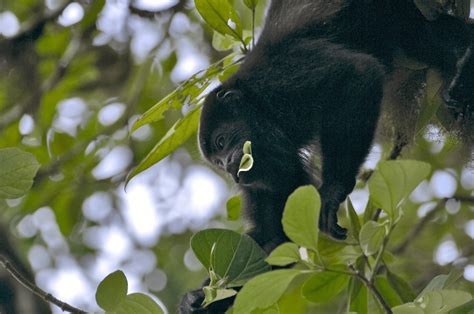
[[328, 224]]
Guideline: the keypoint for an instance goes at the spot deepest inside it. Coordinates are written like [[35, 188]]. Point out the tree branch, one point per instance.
[[5, 263], [371, 286]]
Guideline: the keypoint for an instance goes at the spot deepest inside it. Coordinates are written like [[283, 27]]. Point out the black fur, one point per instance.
[[317, 75]]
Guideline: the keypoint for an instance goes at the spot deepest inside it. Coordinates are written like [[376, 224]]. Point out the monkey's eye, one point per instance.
[[220, 142]]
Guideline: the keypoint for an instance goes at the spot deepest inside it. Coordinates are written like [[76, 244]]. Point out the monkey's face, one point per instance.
[[223, 130]]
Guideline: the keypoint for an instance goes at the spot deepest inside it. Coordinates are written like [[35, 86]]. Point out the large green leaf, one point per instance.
[[17, 170], [393, 181], [138, 303], [176, 136], [112, 291], [285, 254], [358, 296], [221, 16], [301, 216], [371, 237], [439, 301], [264, 290], [235, 258], [403, 288], [322, 287], [388, 293]]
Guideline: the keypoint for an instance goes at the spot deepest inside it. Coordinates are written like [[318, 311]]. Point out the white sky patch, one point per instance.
[[469, 272], [467, 178], [469, 228], [111, 113], [154, 5], [140, 212], [443, 184], [190, 60], [360, 198], [9, 24], [56, 281], [97, 206], [231, 24], [446, 253], [70, 114], [116, 161], [373, 157], [424, 209], [422, 193], [26, 125], [71, 15]]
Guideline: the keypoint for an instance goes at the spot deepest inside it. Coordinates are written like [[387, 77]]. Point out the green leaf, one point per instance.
[[111, 291], [439, 301], [442, 301], [223, 42], [301, 216], [354, 218], [17, 170], [236, 257], [286, 253], [403, 288], [138, 303], [322, 287], [437, 283], [408, 308], [388, 293], [264, 290], [246, 163], [371, 237], [466, 308], [251, 4], [188, 92], [393, 181], [221, 16], [247, 149], [176, 136], [156, 113], [233, 206], [212, 294], [358, 296]]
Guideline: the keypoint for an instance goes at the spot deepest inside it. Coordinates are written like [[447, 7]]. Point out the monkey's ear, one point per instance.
[[228, 96]]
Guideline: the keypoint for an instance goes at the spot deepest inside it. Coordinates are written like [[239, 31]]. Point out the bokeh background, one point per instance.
[[74, 75]]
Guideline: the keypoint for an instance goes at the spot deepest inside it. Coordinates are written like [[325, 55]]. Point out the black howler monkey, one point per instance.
[[317, 75]]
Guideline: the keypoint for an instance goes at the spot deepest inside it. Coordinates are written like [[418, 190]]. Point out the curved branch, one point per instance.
[[5, 263]]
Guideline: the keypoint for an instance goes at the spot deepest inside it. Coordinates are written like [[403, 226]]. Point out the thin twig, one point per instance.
[[372, 288], [5, 263], [416, 230]]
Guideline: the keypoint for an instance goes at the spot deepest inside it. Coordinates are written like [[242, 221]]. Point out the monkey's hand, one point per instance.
[[328, 221]]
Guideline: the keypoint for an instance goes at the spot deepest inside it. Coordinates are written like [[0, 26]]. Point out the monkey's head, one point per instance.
[[223, 130], [229, 118]]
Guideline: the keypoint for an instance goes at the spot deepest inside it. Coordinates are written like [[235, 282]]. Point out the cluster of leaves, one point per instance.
[[323, 268]]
